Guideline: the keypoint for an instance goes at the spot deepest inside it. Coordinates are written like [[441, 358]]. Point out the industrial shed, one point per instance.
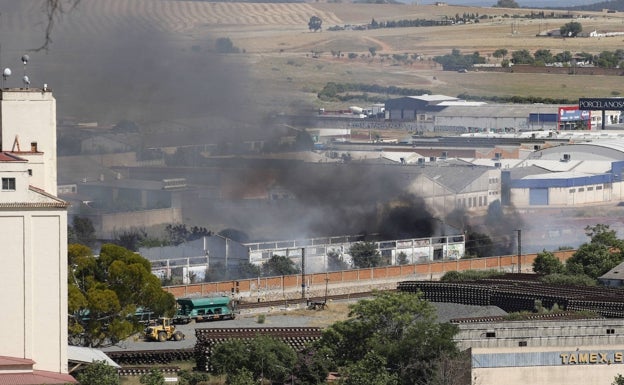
[[570, 175], [495, 118], [440, 113]]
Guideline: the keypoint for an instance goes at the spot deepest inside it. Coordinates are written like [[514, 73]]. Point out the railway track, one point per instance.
[[300, 301]]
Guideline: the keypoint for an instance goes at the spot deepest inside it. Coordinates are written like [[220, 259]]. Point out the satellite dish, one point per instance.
[[25, 59], [6, 73], [26, 81]]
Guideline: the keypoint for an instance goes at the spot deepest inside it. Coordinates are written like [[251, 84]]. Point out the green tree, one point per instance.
[[225, 45], [187, 377], [506, 4], [571, 29], [401, 328], [607, 59], [154, 377], [248, 270], [315, 23], [264, 357], [179, 233], [365, 254], [98, 373], [313, 365], [335, 262], [82, 232], [500, 53], [618, 380], [243, 377], [546, 263], [279, 265], [371, 370], [373, 51], [563, 57], [544, 56], [104, 292], [522, 56], [601, 254]]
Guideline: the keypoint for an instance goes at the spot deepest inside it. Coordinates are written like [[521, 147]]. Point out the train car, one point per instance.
[[204, 309]]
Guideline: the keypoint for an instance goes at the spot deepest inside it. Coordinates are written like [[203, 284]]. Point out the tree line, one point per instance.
[[340, 91]]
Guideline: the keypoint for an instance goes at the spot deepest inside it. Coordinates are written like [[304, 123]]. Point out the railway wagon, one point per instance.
[[204, 309]]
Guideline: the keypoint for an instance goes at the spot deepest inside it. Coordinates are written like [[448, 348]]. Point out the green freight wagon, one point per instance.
[[204, 309]]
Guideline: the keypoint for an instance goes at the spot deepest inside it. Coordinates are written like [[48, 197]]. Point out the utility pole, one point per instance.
[[303, 273], [519, 251]]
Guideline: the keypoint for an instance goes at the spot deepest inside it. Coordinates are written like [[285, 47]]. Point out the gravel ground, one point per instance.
[[282, 317], [295, 316]]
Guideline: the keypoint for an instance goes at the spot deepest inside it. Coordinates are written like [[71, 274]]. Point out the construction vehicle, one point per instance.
[[163, 331]]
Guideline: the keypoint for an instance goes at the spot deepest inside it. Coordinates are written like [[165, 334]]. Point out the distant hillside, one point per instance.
[[614, 5]]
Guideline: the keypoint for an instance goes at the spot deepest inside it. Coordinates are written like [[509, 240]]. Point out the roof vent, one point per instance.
[[444, 154], [497, 164], [566, 157]]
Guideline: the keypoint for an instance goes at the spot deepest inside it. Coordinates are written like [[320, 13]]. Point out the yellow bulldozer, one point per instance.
[[163, 331]]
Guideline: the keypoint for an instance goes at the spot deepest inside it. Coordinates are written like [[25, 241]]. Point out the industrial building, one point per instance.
[[34, 243], [543, 351], [194, 258], [446, 114]]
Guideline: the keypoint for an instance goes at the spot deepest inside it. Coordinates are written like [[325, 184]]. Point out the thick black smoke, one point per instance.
[[108, 68]]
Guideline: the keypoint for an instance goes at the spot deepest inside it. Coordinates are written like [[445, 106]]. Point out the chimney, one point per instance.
[[33, 146]]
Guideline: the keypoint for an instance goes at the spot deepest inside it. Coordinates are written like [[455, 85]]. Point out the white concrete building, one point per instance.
[[34, 243]]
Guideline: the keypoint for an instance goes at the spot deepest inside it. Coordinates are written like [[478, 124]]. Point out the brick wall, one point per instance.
[[350, 281]]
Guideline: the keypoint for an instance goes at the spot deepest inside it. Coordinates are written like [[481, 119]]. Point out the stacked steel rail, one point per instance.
[[207, 339], [140, 370], [150, 357], [516, 293]]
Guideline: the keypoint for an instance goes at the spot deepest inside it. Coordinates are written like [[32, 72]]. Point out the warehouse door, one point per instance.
[[538, 197]]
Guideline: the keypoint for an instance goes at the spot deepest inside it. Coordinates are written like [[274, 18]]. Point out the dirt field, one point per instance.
[[101, 44]]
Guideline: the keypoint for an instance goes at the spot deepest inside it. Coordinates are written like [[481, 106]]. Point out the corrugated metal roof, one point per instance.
[[88, 355], [454, 176], [498, 110], [615, 273]]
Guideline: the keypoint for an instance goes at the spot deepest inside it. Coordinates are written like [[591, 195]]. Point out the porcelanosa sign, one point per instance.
[[601, 104]]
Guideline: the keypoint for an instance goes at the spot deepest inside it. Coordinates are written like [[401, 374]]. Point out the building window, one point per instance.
[[598, 187], [522, 343], [8, 184], [30, 172], [610, 331], [490, 334], [581, 189], [590, 189], [572, 191]]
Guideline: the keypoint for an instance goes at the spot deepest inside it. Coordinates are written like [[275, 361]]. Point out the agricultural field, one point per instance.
[[143, 56]]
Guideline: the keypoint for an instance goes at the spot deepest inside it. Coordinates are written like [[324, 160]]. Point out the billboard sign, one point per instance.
[[572, 114], [601, 104]]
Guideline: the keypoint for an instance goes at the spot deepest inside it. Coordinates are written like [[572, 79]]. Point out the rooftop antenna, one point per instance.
[[25, 79]]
